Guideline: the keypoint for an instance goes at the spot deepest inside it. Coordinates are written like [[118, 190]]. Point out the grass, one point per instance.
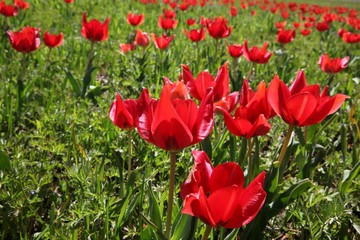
[[63, 171]]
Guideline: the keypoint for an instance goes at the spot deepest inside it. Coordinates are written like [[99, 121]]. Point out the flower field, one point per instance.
[[188, 119]]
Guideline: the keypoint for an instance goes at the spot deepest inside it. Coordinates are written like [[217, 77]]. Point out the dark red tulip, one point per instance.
[[334, 65], [174, 125], [53, 40], [126, 47], [235, 50], [21, 4], [221, 199], [163, 41], [135, 19], [302, 104], [183, 6], [255, 54], [195, 35], [296, 24], [167, 23], [233, 11], [218, 28], [190, 22], [349, 37], [168, 13], [285, 36], [322, 26], [26, 40], [95, 31], [142, 39], [305, 32], [69, 1], [123, 113], [8, 10]]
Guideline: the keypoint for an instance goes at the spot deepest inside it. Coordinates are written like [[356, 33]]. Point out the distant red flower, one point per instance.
[[142, 39], [195, 35], [95, 31], [217, 195], [286, 36], [183, 6], [53, 40], [162, 42], [308, 24], [301, 104], [8, 10], [168, 13], [253, 12], [26, 40], [126, 47], [305, 32], [69, 1], [322, 26], [167, 23], [21, 4], [235, 50], [123, 113], [135, 19], [349, 37], [218, 28], [233, 11], [334, 65], [255, 54], [296, 24], [190, 22], [280, 25]]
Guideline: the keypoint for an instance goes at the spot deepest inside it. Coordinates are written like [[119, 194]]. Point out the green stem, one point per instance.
[[20, 87], [330, 79], [251, 164], [207, 232], [285, 144], [88, 67], [171, 193], [129, 152]]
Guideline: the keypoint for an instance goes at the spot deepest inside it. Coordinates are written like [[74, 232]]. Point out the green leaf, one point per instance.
[[74, 83], [183, 227], [348, 178], [289, 196], [4, 161], [232, 235], [154, 210], [154, 227]]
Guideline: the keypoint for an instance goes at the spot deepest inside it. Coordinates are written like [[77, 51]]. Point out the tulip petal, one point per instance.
[[226, 175], [260, 127], [205, 118], [301, 106], [252, 198], [299, 83]]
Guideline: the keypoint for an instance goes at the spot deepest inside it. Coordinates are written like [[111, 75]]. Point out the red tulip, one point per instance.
[[222, 200], [174, 125], [21, 4], [94, 30], [280, 25], [183, 6], [322, 26], [26, 40], [123, 113], [334, 65], [190, 22], [286, 36], [305, 32], [142, 39], [233, 11], [168, 13], [302, 104], [135, 19], [348, 37], [204, 81], [195, 35], [218, 28], [178, 90], [296, 24], [53, 40], [69, 1], [235, 50], [163, 41], [126, 47], [8, 10], [167, 23], [255, 54]]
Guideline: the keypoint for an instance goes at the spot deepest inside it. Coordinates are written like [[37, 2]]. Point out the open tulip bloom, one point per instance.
[[217, 195], [163, 41], [302, 104], [256, 55], [334, 65], [135, 19], [53, 40], [95, 31], [26, 40]]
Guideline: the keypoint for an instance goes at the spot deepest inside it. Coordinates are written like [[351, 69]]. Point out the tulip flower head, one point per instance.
[[167, 23], [69, 1], [142, 39], [285, 36], [26, 40], [305, 32], [190, 22], [233, 11], [334, 65], [322, 26], [217, 195], [8, 10], [195, 35], [21, 4], [235, 50], [218, 28], [95, 31], [53, 40], [123, 113], [135, 19], [255, 54], [174, 124], [302, 104], [126, 47], [163, 41]]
